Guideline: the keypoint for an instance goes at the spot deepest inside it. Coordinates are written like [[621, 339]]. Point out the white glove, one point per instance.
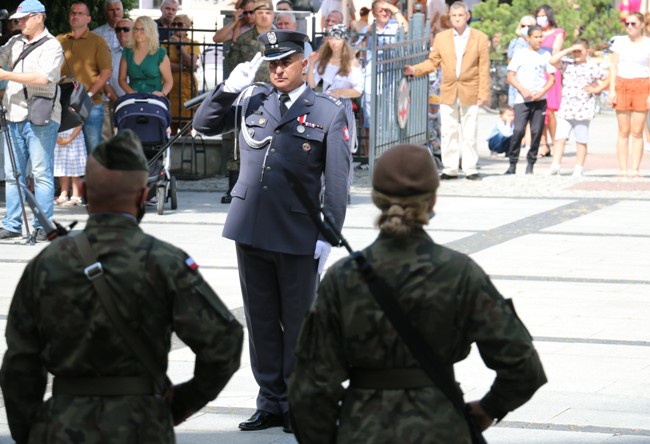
[[321, 253], [243, 75]]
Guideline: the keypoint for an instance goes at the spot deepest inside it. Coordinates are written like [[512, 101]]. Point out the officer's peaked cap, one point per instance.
[[405, 170], [121, 152], [279, 44]]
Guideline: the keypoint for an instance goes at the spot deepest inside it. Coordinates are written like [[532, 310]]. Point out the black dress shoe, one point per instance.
[[474, 176], [445, 176], [529, 168], [6, 234], [261, 420], [286, 426], [226, 198], [511, 169]]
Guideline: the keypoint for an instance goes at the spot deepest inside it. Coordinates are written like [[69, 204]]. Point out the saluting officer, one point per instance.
[[279, 252]]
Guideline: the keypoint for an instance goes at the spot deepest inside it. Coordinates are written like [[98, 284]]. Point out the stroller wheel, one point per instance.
[[160, 197], [172, 192]]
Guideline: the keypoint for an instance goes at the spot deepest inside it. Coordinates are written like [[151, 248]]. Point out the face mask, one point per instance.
[[542, 21], [523, 31]]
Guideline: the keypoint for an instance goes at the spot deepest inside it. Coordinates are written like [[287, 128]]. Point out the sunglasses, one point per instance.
[[119, 29], [248, 12], [632, 24]]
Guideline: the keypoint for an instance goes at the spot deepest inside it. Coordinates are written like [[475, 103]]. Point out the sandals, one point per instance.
[[61, 200], [544, 153], [74, 201]]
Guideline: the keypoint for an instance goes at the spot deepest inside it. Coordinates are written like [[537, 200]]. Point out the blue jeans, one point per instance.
[[93, 127], [36, 143], [499, 143]]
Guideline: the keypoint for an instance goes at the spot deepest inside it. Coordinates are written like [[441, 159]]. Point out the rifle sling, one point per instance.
[[94, 272], [415, 343]]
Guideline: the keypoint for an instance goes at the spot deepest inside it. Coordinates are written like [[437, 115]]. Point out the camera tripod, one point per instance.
[[4, 129]]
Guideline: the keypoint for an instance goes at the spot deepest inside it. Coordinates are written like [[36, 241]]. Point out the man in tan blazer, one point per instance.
[[463, 54]]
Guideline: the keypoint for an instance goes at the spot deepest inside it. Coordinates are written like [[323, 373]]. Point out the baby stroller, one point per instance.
[[149, 117]]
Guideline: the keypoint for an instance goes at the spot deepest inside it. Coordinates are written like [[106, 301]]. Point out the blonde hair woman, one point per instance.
[[144, 63]]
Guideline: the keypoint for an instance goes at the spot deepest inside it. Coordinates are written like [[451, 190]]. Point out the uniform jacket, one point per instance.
[[474, 80], [450, 301], [265, 212], [57, 324]]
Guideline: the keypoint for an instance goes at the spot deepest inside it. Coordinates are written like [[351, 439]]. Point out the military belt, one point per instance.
[[103, 386], [389, 379]]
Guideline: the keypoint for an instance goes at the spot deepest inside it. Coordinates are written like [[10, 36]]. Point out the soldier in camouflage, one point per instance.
[[243, 50], [449, 299], [57, 324]]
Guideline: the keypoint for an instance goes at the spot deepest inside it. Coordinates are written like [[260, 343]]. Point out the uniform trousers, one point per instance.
[[459, 125], [278, 290], [533, 112]]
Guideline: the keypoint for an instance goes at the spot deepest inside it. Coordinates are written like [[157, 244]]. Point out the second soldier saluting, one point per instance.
[[279, 251]]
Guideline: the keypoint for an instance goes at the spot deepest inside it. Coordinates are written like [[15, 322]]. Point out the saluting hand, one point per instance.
[[243, 75]]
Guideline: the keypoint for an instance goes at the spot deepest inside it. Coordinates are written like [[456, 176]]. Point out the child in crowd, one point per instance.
[[69, 165], [499, 139], [526, 73], [583, 80]]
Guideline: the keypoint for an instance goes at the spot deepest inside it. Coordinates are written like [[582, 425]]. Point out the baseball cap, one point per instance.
[[279, 44], [28, 7]]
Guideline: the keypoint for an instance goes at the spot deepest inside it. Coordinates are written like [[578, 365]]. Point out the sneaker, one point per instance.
[[6, 234], [577, 171], [554, 169], [40, 235]]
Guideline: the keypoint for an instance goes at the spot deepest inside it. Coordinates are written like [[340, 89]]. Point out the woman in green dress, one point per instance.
[[145, 66]]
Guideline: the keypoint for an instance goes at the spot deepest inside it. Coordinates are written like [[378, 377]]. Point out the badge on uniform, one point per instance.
[[306, 147], [191, 264], [302, 123], [346, 134]]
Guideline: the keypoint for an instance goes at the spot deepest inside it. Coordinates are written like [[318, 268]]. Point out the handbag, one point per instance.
[[39, 109], [76, 104]]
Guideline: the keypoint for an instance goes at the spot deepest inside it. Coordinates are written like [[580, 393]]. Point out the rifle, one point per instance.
[[384, 297], [52, 228]]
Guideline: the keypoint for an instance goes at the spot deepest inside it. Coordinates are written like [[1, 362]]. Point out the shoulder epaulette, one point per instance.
[[334, 100]]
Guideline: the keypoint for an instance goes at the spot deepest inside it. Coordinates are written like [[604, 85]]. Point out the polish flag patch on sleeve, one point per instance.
[[346, 134], [192, 265]]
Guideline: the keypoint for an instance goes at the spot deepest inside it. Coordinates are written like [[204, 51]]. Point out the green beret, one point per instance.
[[122, 152], [405, 170]]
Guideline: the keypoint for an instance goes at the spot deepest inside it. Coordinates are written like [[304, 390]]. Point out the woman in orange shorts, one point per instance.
[[629, 92]]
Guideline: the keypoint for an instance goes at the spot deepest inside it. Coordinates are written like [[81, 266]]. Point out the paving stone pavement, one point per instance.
[[573, 253]]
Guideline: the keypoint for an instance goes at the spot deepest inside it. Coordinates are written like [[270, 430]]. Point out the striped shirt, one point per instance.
[[46, 60]]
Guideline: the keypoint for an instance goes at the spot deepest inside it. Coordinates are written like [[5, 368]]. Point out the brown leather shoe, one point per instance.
[[261, 420]]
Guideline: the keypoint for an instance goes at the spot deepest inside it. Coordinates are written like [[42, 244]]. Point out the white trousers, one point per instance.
[[459, 126]]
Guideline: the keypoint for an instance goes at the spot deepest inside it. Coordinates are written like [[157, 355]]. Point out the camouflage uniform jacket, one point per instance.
[[57, 324], [244, 49], [451, 301]]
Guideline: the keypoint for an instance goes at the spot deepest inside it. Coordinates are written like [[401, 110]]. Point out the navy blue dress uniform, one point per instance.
[[275, 237]]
